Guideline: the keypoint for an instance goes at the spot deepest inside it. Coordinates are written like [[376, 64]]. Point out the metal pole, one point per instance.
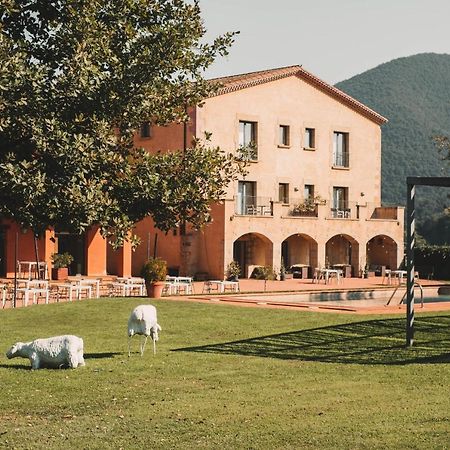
[[36, 254], [410, 238], [16, 251], [156, 243]]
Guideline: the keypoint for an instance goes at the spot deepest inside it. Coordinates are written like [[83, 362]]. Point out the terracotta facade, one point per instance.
[[310, 141], [261, 222]]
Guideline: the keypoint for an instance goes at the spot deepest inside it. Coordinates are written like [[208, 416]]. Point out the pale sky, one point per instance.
[[334, 39]]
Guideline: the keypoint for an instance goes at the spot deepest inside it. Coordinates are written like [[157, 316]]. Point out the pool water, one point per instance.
[[438, 298], [344, 298]]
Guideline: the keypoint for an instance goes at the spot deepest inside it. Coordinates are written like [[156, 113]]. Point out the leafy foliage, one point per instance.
[[264, 273], [433, 261], [76, 80], [233, 270], [411, 92], [155, 269], [61, 260]]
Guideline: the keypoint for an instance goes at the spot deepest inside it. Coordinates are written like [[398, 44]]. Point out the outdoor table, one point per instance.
[[129, 284], [32, 267], [221, 286], [326, 275], [93, 282], [399, 274], [230, 286], [180, 283], [33, 287]]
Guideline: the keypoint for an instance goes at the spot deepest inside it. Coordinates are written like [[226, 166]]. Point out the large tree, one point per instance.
[[77, 78]]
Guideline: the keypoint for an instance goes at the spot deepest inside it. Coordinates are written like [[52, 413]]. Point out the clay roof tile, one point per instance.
[[242, 81]]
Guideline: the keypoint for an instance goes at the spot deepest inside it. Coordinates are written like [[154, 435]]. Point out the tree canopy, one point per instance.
[[77, 78]]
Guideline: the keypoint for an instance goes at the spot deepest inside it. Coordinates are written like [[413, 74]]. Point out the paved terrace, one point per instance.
[[297, 293], [291, 293]]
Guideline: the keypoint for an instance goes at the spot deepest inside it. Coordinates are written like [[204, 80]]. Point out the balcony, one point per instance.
[[348, 210], [385, 213], [301, 208], [253, 206]]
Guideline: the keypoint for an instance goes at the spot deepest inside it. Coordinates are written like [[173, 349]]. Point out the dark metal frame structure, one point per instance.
[[412, 182]]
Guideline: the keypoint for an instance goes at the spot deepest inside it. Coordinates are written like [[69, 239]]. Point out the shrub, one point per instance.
[[233, 270], [61, 260], [433, 261], [155, 269], [264, 273]]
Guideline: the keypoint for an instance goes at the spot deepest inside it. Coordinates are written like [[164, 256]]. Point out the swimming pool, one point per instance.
[[349, 298]]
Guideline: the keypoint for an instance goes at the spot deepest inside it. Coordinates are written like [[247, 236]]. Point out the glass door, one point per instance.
[[246, 197]]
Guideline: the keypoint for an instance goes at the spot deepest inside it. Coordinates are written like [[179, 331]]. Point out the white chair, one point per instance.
[[184, 285], [35, 288], [4, 291], [178, 285]]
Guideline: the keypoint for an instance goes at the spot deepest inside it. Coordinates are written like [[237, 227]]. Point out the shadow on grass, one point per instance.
[[25, 366], [371, 342], [101, 355]]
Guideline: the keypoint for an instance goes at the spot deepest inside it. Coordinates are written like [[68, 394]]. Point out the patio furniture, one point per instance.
[[345, 268], [299, 270], [232, 286], [131, 285], [178, 285], [327, 275], [212, 286], [93, 282], [220, 286], [33, 288], [32, 269], [4, 292]]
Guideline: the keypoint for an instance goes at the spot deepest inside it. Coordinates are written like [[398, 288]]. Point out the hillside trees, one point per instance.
[[412, 93], [77, 78]]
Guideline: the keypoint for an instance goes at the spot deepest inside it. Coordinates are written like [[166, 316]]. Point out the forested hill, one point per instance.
[[414, 94]]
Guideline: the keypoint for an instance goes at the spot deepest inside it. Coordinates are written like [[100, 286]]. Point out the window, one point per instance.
[[284, 136], [308, 192], [283, 193], [248, 140], [340, 149], [246, 197], [310, 138], [340, 202], [145, 130]]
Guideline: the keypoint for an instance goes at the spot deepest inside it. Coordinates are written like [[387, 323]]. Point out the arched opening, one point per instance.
[[381, 252], [300, 250], [252, 249], [343, 251]]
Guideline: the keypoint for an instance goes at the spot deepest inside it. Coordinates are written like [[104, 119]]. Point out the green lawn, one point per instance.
[[228, 377]]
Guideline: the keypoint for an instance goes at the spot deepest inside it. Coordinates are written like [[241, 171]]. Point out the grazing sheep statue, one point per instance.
[[143, 321], [53, 352]]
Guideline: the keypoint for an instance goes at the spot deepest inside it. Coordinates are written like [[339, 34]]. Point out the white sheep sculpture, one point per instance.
[[143, 321], [52, 352]]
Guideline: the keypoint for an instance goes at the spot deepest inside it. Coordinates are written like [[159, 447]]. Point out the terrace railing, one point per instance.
[[253, 206]]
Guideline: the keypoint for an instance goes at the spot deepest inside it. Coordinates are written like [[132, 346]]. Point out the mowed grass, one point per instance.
[[227, 377]]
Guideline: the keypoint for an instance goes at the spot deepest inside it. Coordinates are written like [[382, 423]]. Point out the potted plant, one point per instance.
[[308, 206], [61, 263], [233, 271], [154, 272]]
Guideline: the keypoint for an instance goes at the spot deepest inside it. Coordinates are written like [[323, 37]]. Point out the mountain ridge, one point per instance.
[[413, 93]]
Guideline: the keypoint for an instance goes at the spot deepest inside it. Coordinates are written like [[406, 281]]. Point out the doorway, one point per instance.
[[74, 244]]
